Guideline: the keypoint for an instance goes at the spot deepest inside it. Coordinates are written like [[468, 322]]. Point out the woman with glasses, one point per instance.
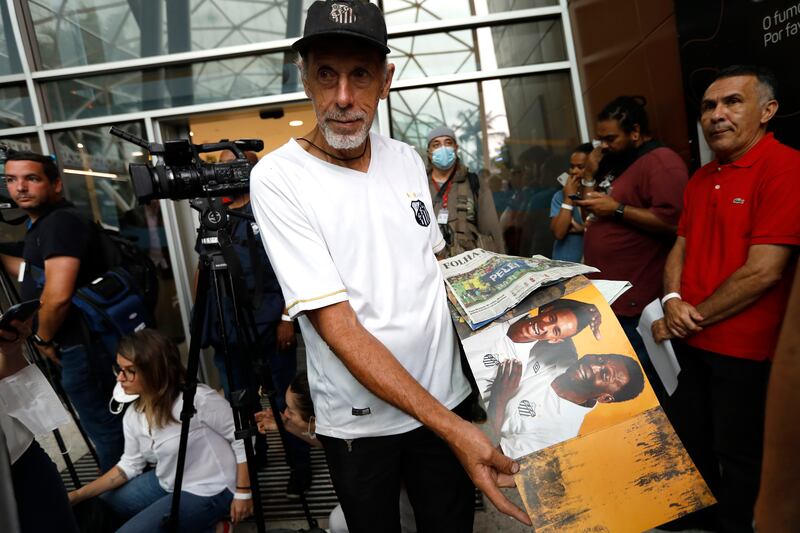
[[215, 480]]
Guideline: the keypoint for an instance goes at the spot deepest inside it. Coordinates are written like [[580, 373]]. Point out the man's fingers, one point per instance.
[[696, 316], [506, 481], [504, 505], [503, 464]]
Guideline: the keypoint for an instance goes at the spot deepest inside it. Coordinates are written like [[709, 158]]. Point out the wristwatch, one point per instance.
[[38, 341], [619, 212]]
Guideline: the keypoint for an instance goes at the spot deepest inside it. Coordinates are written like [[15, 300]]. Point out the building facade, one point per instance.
[[502, 73]]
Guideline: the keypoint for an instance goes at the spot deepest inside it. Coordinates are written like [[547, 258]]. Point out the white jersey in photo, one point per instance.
[[334, 234], [536, 417]]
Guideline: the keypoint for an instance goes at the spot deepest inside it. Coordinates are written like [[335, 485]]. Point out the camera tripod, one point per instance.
[[214, 272]]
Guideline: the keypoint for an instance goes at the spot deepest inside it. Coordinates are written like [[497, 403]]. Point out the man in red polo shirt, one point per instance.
[[727, 283]]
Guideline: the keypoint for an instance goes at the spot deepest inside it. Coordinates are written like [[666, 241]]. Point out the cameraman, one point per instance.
[[275, 346], [41, 499], [57, 259]]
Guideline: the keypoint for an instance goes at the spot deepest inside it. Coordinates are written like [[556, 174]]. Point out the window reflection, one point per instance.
[[87, 32], [489, 48], [15, 106], [9, 58], [94, 169], [410, 11], [516, 133], [199, 83]]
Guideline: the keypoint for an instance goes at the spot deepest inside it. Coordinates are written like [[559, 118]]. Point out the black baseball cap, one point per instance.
[[353, 18]]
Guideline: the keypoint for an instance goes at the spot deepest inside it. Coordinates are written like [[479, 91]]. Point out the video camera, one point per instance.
[[178, 173]]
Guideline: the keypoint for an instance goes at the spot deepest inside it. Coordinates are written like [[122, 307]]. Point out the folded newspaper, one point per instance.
[[483, 285]]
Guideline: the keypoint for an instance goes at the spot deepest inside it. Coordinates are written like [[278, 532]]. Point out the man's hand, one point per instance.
[[682, 319], [241, 509], [571, 186], [16, 334], [660, 331], [574, 227], [506, 384], [598, 203], [487, 468], [286, 337], [50, 352]]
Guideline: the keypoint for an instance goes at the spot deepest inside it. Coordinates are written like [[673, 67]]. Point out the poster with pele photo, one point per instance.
[[567, 398]]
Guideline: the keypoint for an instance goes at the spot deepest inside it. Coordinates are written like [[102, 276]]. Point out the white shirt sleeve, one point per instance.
[[307, 274], [215, 412], [132, 461]]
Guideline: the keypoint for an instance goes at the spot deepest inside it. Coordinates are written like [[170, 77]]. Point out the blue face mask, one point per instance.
[[443, 157]]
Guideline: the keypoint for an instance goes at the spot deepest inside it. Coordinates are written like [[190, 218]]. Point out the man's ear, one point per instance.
[[636, 133], [605, 398], [58, 185], [387, 83], [768, 111]]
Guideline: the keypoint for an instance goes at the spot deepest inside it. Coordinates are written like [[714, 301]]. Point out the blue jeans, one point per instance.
[[147, 504], [89, 385]]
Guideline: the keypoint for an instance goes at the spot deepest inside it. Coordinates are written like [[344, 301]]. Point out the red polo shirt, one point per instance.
[[727, 209]]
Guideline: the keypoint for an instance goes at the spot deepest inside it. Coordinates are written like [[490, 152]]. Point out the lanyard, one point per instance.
[[443, 191]]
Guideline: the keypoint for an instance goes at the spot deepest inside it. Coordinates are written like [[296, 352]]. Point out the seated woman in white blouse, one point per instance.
[[148, 365]]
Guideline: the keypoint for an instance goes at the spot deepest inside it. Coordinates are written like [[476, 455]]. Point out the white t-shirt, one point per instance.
[[486, 350], [211, 453], [335, 234], [536, 417]]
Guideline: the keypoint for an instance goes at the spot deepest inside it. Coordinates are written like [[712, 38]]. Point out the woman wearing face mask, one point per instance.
[[463, 206]]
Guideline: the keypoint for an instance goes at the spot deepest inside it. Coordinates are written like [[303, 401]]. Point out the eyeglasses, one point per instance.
[[129, 373]]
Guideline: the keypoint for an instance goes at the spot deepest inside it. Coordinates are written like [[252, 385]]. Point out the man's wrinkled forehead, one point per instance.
[[746, 86]]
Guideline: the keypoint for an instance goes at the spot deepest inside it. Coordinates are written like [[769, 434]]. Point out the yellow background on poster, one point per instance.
[[613, 340]]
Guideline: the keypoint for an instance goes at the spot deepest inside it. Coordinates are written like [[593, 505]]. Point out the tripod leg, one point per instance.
[[172, 522], [45, 366], [73, 474], [244, 418]]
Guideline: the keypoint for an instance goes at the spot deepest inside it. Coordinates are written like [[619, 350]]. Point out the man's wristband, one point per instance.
[[286, 318], [38, 341], [670, 296], [243, 496], [588, 183], [567, 207]]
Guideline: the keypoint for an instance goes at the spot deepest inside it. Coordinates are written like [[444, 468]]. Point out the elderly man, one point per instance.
[[464, 211], [726, 283], [346, 218]]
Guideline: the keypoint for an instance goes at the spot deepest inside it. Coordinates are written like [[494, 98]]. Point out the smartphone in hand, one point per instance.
[[21, 311]]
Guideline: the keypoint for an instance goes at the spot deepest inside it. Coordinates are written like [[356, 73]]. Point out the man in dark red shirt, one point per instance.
[[727, 283], [632, 224]]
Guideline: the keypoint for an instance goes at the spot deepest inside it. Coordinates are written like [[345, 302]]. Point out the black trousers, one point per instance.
[[367, 474], [42, 502], [718, 413]]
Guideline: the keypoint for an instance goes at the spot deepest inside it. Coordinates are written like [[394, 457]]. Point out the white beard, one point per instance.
[[339, 141]]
